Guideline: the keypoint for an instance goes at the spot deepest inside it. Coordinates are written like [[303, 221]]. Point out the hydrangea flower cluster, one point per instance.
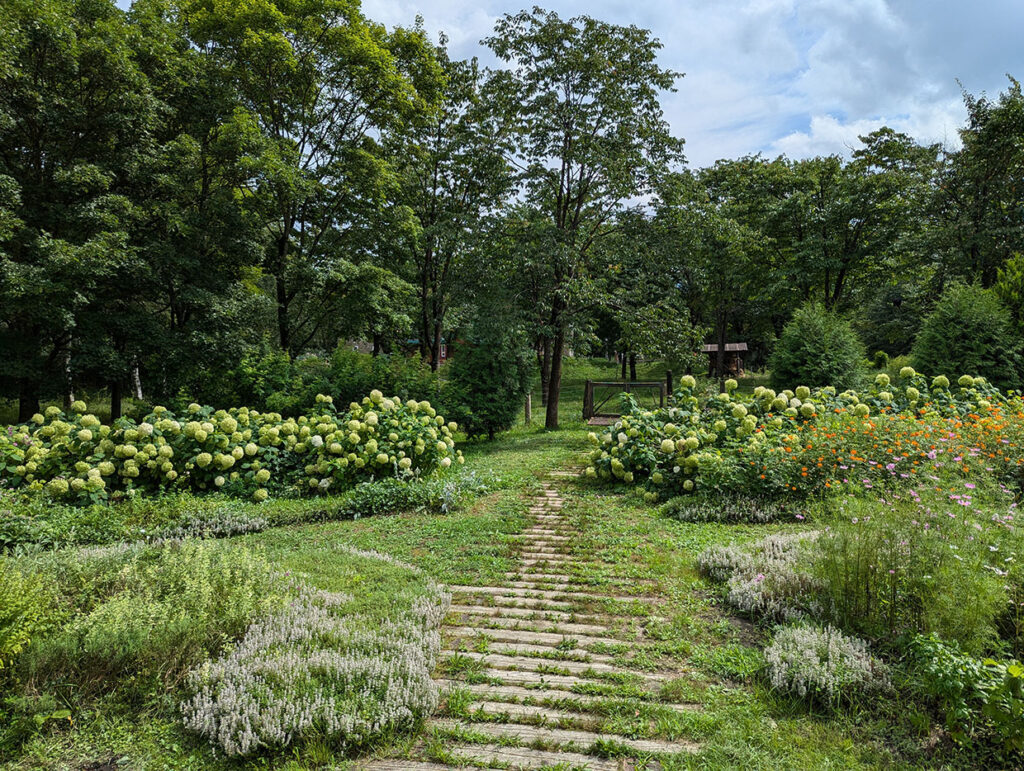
[[702, 440], [238, 451]]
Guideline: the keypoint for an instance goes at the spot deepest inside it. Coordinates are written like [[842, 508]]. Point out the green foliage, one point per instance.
[[270, 380], [489, 379], [139, 613], [981, 701], [916, 563], [240, 451], [970, 331], [880, 360], [25, 606], [817, 348]]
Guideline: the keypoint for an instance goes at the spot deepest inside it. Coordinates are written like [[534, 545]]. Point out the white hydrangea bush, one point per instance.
[[822, 664], [239, 451], [317, 669], [707, 440]]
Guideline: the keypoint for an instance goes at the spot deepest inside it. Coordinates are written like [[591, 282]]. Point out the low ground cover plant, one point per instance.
[[36, 522], [240, 452], [821, 664], [314, 669], [211, 634], [726, 508], [806, 442], [926, 577]]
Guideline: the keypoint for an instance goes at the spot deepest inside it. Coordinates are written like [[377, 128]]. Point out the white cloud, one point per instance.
[[797, 76]]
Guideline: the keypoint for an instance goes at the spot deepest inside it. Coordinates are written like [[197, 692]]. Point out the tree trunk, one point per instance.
[[136, 380], [545, 370], [115, 400], [283, 333], [435, 347], [376, 344], [720, 354], [28, 400], [69, 388], [632, 367], [555, 380], [622, 360]]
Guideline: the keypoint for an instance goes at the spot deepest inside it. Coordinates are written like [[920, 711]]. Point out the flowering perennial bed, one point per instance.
[[317, 668], [804, 441], [239, 451]]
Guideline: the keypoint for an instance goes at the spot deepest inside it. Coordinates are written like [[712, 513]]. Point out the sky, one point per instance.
[[799, 77]]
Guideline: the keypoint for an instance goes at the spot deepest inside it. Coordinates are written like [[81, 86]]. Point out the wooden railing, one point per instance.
[[595, 406]]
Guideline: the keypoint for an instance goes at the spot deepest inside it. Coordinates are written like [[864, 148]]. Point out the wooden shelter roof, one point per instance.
[[729, 347]]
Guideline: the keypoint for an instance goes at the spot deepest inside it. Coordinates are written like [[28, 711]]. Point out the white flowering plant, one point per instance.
[[239, 451], [823, 665], [730, 441]]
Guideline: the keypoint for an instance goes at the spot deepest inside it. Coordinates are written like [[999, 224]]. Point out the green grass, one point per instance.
[[709, 656]]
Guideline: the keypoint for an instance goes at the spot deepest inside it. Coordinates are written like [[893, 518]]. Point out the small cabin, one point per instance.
[[733, 359]]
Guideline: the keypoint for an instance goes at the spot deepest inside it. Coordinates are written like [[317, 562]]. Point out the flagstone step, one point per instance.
[[502, 634], [548, 653], [557, 577], [500, 591], [401, 765], [536, 625], [541, 586], [583, 740], [529, 614], [535, 679], [530, 664], [536, 603], [496, 756], [518, 712], [520, 694]]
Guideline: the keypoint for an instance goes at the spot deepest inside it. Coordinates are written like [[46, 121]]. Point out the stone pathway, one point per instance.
[[537, 669]]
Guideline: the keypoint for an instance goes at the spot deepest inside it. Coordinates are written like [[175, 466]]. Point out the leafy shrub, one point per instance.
[[981, 701], [970, 331], [823, 665], [269, 380], [817, 348], [239, 451], [804, 441], [25, 606], [726, 508], [880, 360], [137, 617], [489, 380], [318, 667]]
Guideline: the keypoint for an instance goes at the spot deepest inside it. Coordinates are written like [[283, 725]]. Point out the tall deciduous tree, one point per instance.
[[453, 174], [323, 82], [980, 199], [75, 115], [582, 97]]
